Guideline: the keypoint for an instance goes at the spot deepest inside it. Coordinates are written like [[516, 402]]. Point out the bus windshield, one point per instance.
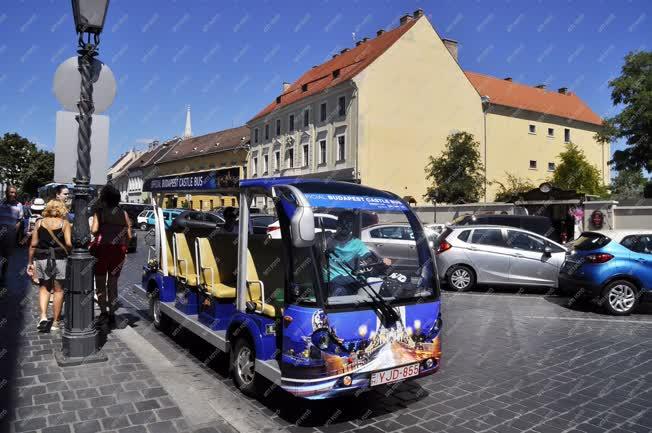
[[367, 250]]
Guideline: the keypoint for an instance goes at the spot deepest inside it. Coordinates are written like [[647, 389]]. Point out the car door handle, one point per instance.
[[518, 255], [379, 245], [641, 260]]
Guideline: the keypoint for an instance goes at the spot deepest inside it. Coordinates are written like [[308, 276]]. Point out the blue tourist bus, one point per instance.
[[316, 312]]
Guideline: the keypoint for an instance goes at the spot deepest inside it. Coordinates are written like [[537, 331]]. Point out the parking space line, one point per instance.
[[590, 319]]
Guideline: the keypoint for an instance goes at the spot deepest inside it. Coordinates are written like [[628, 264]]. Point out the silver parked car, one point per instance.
[[470, 255], [396, 242]]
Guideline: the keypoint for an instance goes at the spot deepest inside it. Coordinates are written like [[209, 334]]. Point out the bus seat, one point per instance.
[[255, 289], [209, 272], [185, 264], [169, 256]]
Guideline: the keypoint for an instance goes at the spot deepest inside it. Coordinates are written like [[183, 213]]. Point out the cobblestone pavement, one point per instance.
[[120, 395], [512, 363]]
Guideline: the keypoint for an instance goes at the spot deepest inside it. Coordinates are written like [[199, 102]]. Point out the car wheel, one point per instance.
[[243, 366], [143, 226], [159, 320], [461, 278], [620, 298]]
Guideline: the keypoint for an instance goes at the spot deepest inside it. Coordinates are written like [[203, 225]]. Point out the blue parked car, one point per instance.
[[614, 267], [168, 216]]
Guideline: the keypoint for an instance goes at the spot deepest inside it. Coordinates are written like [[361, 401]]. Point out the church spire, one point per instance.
[[187, 133]]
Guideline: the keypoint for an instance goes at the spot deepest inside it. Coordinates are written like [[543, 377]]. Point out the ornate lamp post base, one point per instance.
[[69, 361]]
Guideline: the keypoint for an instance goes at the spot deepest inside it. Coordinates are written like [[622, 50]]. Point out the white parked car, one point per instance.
[[395, 241], [143, 217], [327, 220]]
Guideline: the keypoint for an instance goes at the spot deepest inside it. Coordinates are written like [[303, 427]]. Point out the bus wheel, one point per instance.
[[159, 320], [243, 365]]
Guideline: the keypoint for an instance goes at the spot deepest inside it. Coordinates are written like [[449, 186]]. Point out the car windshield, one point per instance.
[[590, 241], [365, 248]]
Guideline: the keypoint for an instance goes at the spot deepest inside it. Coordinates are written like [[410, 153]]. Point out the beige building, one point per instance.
[[375, 112]]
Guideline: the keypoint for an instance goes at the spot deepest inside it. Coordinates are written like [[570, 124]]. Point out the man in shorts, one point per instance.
[[11, 214]]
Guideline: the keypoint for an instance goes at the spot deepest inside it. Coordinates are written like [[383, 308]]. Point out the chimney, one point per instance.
[[507, 78], [286, 86], [451, 46], [540, 86], [563, 90], [380, 32], [417, 13], [405, 18]]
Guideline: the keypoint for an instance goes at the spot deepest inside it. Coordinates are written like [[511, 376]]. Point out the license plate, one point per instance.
[[394, 374]]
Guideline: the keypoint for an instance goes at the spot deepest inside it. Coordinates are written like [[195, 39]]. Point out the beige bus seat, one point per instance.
[[256, 289], [209, 272], [169, 254], [185, 265]]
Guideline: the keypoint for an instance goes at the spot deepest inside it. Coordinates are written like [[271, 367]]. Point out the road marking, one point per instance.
[[590, 319]]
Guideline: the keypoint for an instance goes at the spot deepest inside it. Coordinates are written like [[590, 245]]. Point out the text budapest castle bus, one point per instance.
[[318, 311]]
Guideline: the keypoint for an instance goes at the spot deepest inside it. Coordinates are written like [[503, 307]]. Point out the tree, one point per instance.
[[575, 172], [633, 89], [23, 165], [458, 174], [513, 188], [39, 173], [628, 184]]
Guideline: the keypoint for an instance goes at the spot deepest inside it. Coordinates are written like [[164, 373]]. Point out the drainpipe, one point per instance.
[[486, 101]]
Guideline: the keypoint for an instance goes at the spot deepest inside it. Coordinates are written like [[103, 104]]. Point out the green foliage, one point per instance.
[[23, 165], [457, 175], [628, 184], [647, 192], [576, 173], [632, 89], [513, 188]]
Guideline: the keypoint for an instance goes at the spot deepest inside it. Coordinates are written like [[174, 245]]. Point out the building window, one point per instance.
[[290, 158], [255, 135], [533, 129], [265, 163], [322, 112], [551, 132], [306, 117], [277, 160], [341, 106], [566, 135], [551, 166], [291, 123], [533, 164], [304, 87], [254, 167], [306, 150], [266, 132], [322, 152], [341, 148], [278, 127]]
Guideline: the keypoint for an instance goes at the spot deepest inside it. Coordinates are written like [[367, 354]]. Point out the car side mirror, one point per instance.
[[302, 227], [547, 251]]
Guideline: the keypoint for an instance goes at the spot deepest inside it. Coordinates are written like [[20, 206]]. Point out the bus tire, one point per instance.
[[159, 319], [243, 367]]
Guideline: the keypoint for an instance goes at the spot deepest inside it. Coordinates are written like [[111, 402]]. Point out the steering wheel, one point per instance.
[[371, 268]]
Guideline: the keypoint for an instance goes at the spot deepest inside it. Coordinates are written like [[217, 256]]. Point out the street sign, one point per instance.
[[67, 82], [65, 148]]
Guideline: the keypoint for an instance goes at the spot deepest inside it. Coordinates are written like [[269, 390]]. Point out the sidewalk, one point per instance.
[[120, 395]]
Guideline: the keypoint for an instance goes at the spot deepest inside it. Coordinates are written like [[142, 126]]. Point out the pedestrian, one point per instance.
[[112, 230], [51, 242], [11, 216], [62, 193]]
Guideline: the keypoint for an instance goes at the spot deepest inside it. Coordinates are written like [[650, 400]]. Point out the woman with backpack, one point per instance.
[[51, 242]]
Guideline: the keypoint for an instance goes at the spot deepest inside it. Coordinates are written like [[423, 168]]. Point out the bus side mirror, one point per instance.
[[302, 227]]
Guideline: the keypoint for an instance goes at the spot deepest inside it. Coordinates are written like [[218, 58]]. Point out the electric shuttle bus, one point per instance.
[[318, 312]]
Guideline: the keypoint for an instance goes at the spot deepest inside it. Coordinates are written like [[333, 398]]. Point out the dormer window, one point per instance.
[[336, 73], [278, 99], [304, 87]]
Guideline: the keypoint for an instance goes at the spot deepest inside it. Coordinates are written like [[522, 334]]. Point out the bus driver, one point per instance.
[[346, 253]]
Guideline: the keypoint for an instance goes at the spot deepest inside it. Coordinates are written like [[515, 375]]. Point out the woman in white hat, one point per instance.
[[36, 214]]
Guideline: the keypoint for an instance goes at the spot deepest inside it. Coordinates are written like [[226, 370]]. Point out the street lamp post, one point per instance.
[[486, 100], [80, 343]]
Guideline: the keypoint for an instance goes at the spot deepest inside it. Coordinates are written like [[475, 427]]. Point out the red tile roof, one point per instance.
[[349, 64], [202, 145], [516, 95]]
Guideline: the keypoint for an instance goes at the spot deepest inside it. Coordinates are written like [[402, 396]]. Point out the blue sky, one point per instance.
[[228, 59]]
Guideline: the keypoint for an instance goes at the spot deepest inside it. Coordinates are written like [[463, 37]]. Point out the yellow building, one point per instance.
[[224, 152], [375, 112]]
